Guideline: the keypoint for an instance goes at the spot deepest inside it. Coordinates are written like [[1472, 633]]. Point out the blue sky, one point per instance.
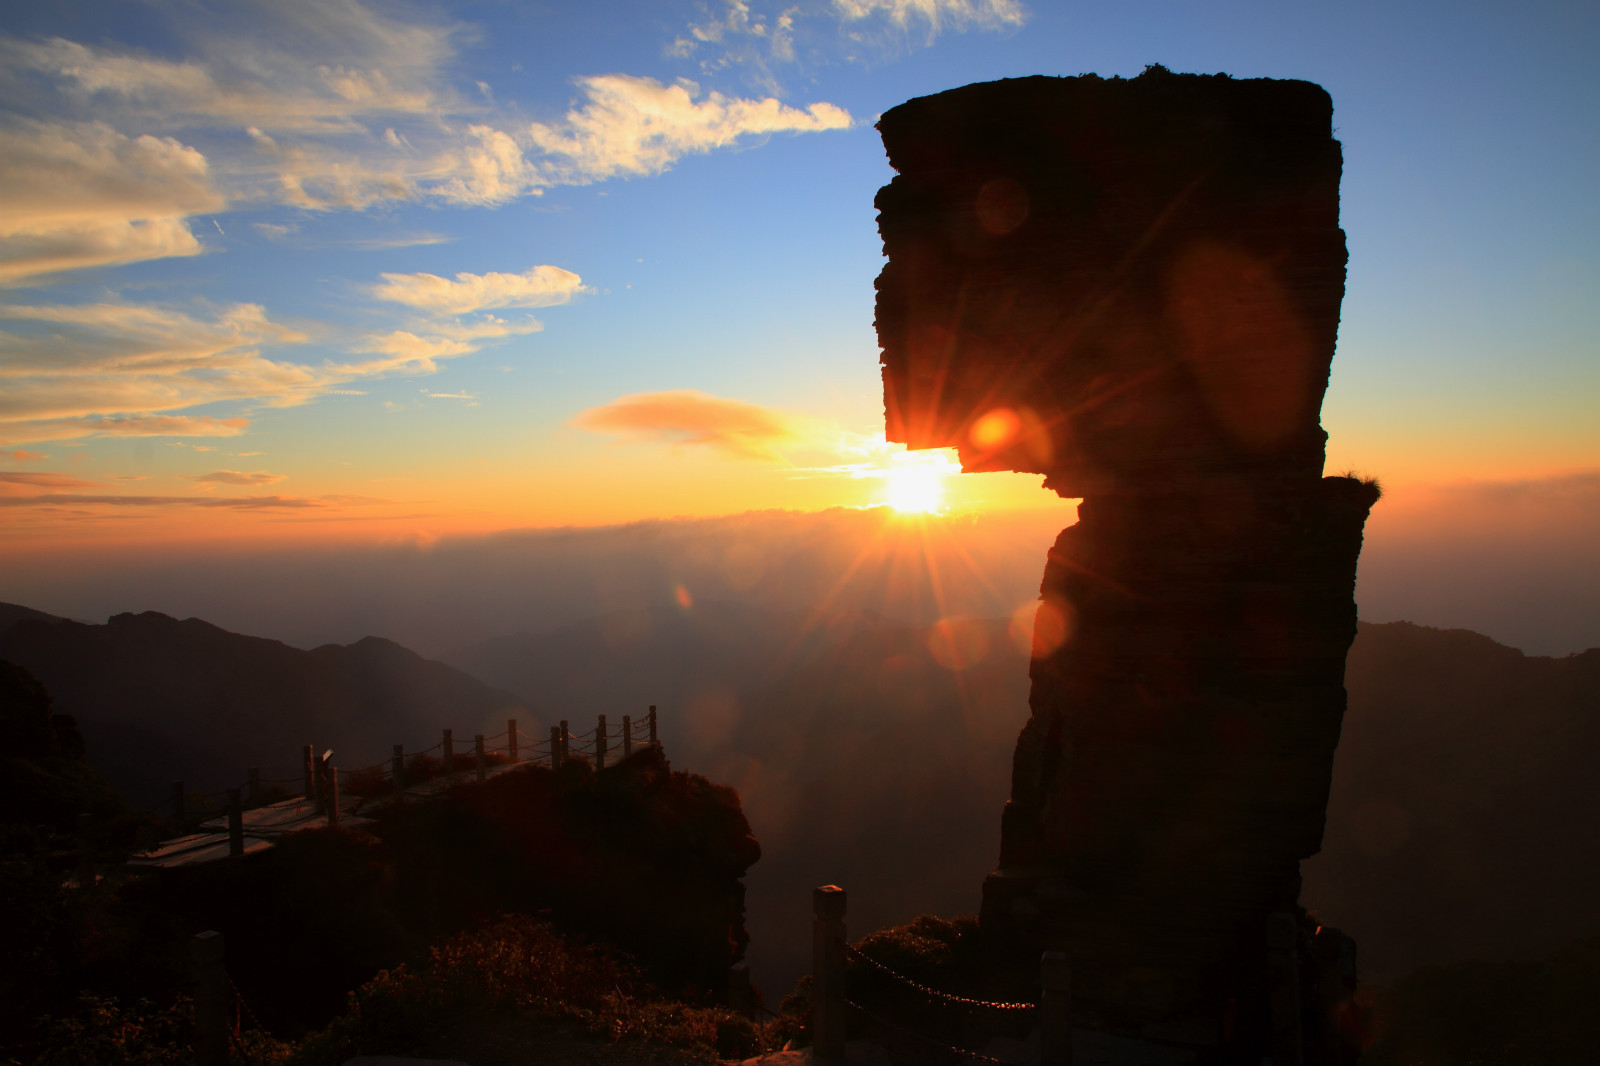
[[338, 266]]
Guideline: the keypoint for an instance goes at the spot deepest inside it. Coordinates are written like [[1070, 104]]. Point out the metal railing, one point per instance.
[[320, 779], [830, 1001]]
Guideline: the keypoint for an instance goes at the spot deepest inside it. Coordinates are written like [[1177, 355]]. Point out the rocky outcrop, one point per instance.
[[1133, 288]]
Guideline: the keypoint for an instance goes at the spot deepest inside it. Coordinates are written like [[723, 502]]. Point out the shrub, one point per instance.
[[102, 1030], [521, 965]]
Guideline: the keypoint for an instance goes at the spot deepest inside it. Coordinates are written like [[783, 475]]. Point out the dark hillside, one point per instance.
[[641, 861], [160, 700], [12, 613], [1465, 805]]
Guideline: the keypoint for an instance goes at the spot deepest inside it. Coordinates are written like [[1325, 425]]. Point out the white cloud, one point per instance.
[[85, 362], [305, 78], [82, 194], [416, 352], [311, 67], [486, 171], [274, 231], [321, 105], [630, 126], [758, 41], [540, 286], [937, 15], [318, 178]]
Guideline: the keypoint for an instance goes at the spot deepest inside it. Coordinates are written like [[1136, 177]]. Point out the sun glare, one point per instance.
[[915, 481]]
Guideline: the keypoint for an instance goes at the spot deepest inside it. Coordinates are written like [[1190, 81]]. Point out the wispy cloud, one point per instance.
[[23, 456], [15, 432], [766, 44], [631, 126], [540, 286], [417, 351], [88, 360], [126, 369], [82, 194], [687, 416], [239, 503], [936, 16], [13, 482], [292, 234], [341, 107], [238, 477], [317, 68]]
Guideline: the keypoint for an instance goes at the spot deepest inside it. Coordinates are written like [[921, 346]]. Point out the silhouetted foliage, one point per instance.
[[520, 966], [642, 860], [45, 779]]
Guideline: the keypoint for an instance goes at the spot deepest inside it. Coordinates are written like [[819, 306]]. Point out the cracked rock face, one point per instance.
[[1132, 287]]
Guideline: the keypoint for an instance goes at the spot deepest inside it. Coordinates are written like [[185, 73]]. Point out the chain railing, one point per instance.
[[933, 993], [830, 1001], [924, 1040]]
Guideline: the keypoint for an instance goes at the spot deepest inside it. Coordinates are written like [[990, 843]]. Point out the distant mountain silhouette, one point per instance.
[[11, 613], [1462, 813], [1465, 803], [160, 700]]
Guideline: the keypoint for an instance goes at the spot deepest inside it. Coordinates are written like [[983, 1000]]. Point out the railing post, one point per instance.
[[235, 824], [448, 754], [177, 801], [1055, 1009], [566, 740], [741, 993], [255, 786], [85, 851], [211, 998], [827, 971], [511, 739], [627, 735], [652, 723], [478, 758], [397, 769], [311, 777], [319, 782], [555, 747], [333, 795], [600, 744], [1283, 989]]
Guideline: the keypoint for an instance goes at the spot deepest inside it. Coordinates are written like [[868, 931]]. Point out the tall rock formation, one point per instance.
[[1132, 287]]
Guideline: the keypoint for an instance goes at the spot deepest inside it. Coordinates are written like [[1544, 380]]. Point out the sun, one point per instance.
[[914, 481]]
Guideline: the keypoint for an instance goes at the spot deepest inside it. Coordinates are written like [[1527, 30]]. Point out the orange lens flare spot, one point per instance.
[[1041, 629], [681, 594], [996, 429], [957, 643]]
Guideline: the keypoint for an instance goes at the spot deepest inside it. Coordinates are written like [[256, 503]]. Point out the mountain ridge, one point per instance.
[[877, 754], [161, 699]]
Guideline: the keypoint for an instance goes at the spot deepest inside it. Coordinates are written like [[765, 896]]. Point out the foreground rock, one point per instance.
[[1133, 288]]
